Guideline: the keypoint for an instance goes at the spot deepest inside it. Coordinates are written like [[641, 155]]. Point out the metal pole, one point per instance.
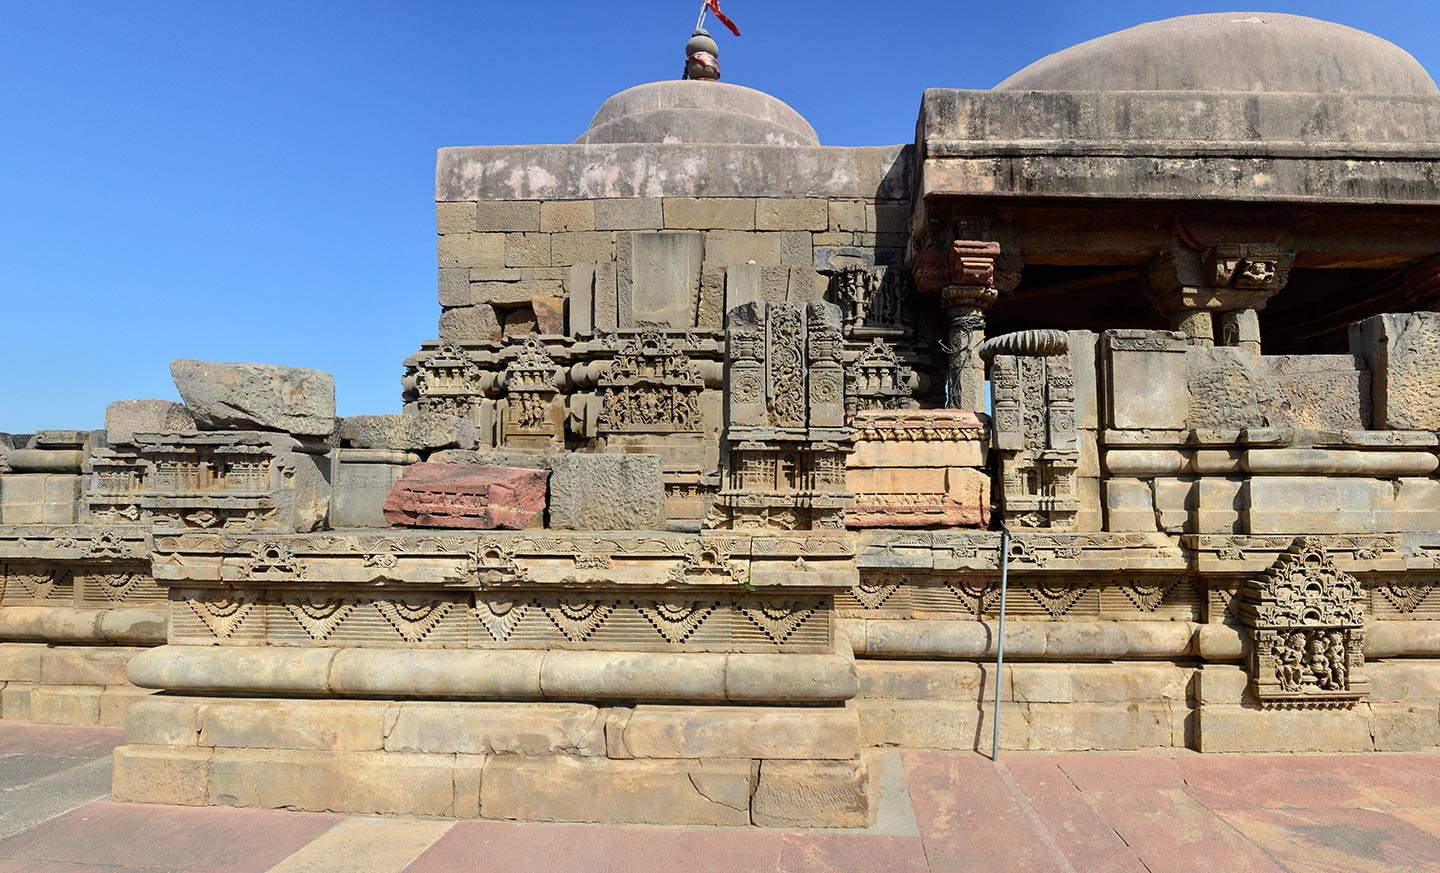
[[704, 8], [1000, 638]]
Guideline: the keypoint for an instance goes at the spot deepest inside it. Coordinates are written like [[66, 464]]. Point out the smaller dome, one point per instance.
[[688, 111], [1234, 52]]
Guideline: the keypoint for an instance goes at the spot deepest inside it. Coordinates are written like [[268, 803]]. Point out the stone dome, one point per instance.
[[1231, 51], [688, 111]]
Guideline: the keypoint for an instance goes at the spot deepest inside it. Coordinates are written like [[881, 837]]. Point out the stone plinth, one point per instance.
[[919, 468], [474, 498]]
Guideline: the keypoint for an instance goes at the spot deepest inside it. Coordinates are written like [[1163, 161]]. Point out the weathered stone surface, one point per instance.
[[1315, 391], [497, 729], [125, 418], [257, 396], [1222, 383], [686, 111], [791, 794], [455, 495], [420, 431], [664, 278], [655, 731], [1402, 352], [561, 788], [485, 250], [607, 492], [373, 783], [567, 216], [469, 323], [549, 313], [506, 215], [161, 774], [634, 213]]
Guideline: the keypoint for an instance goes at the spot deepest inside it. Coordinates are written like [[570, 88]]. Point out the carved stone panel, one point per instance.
[[1306, 621]]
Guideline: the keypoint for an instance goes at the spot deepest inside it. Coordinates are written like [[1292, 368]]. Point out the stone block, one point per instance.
[[518, 322], [940, 724], [567, 216], [813, 794], [40, 498], [21, 662], [164, 721], [1317, 504], [525, 250], [61, 704], [455, 217], [1223, 388], [581, 288], [257, 396], [561, 788], [607, 297], [1229, 728], [360, 490], [1146, 379], [730, 248], [707, 732], [1076, 727], [507, 215], [469, 323], [455, 286], [1173, 501], [125, 418], [15, 700], [511, 293], [368, 783], [833, 259], [1219, 505], [567, 249], [415, 431], [848, 216], [892, 217], [607, 492], [159, 774], [1129, 506], [85, 665], [463, 496], [294, 724], [1402, 353], [918, 497], [710, 310], [115, 703], [664, 278], [1314, 391], [532, 729], [1406, 727], [549, 313], [808, 214], [713, 213], [631, 213], [959, 681], [472, 250]]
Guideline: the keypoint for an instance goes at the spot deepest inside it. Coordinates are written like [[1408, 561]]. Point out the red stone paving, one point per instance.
[[20, 738], [501, 847], [1096, 813], [151, 837], [1326, 840], [1171, 832], [1078, 831], [969, 819], [842, 853]]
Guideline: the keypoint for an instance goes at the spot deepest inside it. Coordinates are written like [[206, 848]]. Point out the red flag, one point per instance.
[[724, 19]]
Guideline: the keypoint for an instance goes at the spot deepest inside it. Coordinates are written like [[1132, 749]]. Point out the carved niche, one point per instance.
[[1307, 626], [651, 387], [533, 418], [786, 435], [1033, 387], [877, 380]]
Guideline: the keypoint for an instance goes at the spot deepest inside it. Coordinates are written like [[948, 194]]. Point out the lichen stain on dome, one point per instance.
[[1232, 52]]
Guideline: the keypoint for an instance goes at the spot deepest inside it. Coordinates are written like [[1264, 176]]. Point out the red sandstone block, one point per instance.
[[467, 496]]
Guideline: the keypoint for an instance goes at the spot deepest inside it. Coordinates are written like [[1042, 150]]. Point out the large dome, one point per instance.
[[688, 111], [1231, 51]]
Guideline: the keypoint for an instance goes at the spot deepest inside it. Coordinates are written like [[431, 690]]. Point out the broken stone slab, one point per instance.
[[125, 418], [470, 497], [224, 396], [414, 432], [607, 492]]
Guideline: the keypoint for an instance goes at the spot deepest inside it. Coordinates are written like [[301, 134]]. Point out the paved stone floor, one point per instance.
[[940, 811]]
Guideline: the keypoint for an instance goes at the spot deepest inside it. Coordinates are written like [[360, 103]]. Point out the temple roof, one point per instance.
[[1231, 52], [687, 111]]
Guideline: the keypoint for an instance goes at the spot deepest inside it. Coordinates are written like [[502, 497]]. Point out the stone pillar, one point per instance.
[[968, 277], [1214, 296]]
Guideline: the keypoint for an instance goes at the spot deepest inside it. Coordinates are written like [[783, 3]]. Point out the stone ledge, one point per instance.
[[68, 624], [503, 674]]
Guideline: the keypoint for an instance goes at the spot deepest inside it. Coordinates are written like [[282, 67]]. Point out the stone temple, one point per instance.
[[706, 487]]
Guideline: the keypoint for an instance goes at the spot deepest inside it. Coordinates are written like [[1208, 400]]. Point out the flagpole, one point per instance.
[[704, 8]]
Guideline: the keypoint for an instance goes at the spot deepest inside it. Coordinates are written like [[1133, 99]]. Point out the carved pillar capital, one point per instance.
[[1189, 285], [967, 276]]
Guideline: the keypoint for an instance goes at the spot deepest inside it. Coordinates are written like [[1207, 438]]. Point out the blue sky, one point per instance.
[[254, 181]]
